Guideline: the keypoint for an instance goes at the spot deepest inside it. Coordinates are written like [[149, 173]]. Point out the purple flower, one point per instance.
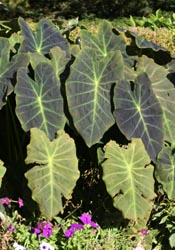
[[77, 226], [43, 227], [20, 202], [93, 224], [47, 232], [36, 231], [144, 232], [86, 218], [5, 201], [11, 228], [69, 232]]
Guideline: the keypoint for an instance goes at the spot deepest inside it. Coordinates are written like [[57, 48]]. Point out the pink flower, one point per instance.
[[5, 201], [144, 232], [20, 202]]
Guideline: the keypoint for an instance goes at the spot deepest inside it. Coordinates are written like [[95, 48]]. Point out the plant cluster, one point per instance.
[[154, 21], [108, 100], [60, 234]]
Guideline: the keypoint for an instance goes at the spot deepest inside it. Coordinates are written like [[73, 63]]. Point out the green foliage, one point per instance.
[[69, 97], [154, 21], [88, 238], [125, 176], [55, 170], [163, 225]]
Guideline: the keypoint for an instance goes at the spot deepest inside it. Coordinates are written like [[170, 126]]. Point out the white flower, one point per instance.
[[46, 246], [139, 248], [2, 217], [18, 247]]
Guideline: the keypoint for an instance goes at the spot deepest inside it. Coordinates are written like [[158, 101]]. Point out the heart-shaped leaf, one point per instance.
[[7, 68], [165, 171], [165, 92], [104, 41], [55, 170], [88, 92], [46, 37], [138, 113], [129, 179], [142, 43], [39, 102]]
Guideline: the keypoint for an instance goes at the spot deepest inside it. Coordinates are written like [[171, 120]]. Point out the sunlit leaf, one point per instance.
[[129, 179], [165, 171], [55, 170]]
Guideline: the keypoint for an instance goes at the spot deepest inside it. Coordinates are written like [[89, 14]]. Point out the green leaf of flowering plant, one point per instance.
[[55, 170], [129, 180], [172, 240], [138, 113], [39, 102]]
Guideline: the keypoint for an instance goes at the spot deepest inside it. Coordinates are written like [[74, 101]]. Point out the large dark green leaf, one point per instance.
[[88, 92], [58, 59], [165, 171], [107, 40], [142, 43], [46, 37], [7, 69], [104, 41], [129, 179], [165, 92], [39, 102], [139, 114], [55, 170]]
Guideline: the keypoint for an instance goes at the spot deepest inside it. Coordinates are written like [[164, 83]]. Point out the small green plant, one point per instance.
[[154, 21], [163, 223], [60, 234]]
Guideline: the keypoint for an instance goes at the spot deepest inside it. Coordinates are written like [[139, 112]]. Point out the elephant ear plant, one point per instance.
[[114, 80]]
